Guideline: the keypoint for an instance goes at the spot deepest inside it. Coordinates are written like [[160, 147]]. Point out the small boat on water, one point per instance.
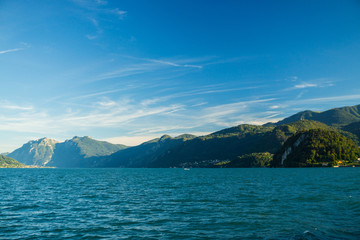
[[187, 169]]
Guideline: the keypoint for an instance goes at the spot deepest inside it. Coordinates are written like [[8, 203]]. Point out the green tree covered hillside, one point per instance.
[[316, 148], [6, 162], [333, 117]]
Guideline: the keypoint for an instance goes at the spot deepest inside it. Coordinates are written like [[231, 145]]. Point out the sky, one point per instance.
[[130, 71]]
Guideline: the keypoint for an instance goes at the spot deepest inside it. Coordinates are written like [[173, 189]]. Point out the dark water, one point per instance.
[[177, 204]]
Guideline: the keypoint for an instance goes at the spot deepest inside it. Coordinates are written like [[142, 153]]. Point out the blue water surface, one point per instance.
[[321, 203]]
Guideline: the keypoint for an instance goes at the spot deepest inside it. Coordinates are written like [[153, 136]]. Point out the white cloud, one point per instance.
[[306, 85], [101, 2], [11, 106], [152, 101], [316, 83], [274, 107], [15, 107], [11, 50], [199, 104], [118, 12], [107, 103]]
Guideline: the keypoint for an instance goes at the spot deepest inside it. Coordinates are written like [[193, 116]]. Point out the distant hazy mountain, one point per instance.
[[333, 117], [38, 152], [6, 162], [78, 152]]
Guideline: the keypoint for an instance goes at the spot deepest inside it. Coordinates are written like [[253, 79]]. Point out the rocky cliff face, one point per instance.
[[288, 150], [37, 152]]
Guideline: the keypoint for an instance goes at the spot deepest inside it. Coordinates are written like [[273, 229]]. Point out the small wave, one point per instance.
[[306, 235]]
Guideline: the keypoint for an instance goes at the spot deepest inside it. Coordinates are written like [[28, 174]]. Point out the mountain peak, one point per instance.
[[81, 138], [35, 152], [185, 136], [48, 140], [165, 137], [333, 117]]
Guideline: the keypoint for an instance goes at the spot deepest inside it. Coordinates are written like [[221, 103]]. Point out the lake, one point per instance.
[[317, 203]]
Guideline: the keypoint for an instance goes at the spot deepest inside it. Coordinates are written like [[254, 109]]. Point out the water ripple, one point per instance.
[[175, 204]]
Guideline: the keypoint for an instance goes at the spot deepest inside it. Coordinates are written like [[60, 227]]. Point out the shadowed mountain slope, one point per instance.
[[77, 152], [145, 154]]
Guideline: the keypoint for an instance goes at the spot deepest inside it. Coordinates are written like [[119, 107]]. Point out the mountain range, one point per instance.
[[72, 153], [240, 146]]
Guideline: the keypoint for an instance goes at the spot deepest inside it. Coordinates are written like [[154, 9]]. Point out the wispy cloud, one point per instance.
[[117, 12], [11, 50], [316, 83], [29, 122], [124, 72], [139, 118], [137, 66], [332, 99], [11, 106], [174, 64], [195, 62], [15, 107], [215, 117], [305, 85], [204, 90], [274, 107], [99, 31], [106, 113], [221, 113], [101, 2], [96, 8], [96, 94]]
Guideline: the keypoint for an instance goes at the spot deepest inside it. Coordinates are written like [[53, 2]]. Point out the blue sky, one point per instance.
[[129, 71]]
